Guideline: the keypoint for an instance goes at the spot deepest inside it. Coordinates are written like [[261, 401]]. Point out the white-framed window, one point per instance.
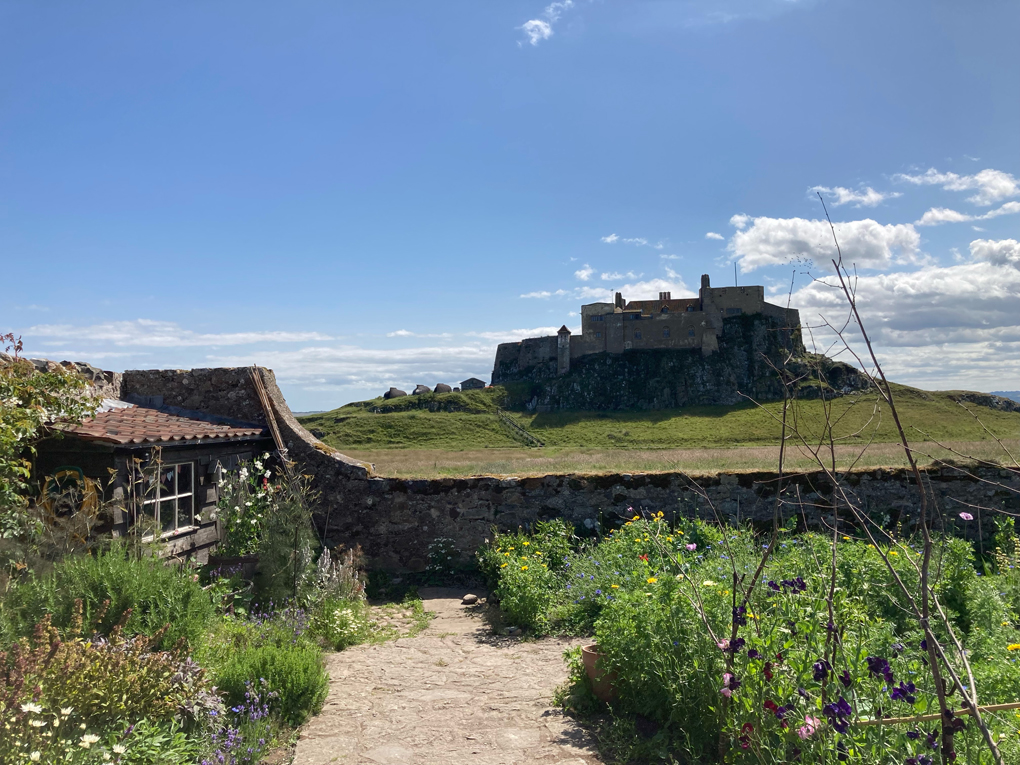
[[170, 499]]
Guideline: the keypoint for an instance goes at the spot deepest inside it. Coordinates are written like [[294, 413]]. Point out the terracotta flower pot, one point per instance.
[[602, 683]]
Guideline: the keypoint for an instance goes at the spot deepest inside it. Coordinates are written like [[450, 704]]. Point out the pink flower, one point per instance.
[[967, 516], [692, 547], [809, 727], [726, 692]]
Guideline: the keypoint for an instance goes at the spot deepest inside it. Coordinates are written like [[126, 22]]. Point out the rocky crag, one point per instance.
[[751, 350]]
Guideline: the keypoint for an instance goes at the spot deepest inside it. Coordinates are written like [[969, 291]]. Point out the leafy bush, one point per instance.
[[110, 585], [790, 685], [98, 685], [340, 622], [275, 648]]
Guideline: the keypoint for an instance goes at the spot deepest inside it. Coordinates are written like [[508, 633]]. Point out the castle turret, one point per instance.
[[563, 350]]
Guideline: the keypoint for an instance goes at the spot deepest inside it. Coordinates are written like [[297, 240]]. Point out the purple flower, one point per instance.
[[966, 516], [845, 678], [752, 653], [821, 670], [838, 714], [879, 666], [740, 616], [772, 585], [691, 547], [904, 692]]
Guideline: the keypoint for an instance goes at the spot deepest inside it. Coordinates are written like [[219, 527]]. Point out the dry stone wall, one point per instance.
[[394, 520]]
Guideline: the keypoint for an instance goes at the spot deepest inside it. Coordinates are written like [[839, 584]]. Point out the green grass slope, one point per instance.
[[468, 420]]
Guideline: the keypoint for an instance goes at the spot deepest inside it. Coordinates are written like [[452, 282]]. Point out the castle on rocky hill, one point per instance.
[[663, 324]]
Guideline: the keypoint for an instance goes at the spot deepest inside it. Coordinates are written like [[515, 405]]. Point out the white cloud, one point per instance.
[[610, 239], [537, 30], [543, 294], [585, 273], [937, 215], [637, 241], [865, 243], [952, 326], [613, 276], [160, 334], [713, 235], [866, 197], [409, 333], [513, 335], [991, 185], [1004, 252], [669, 257]]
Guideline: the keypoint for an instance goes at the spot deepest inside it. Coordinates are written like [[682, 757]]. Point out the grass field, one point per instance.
[[465, 437]]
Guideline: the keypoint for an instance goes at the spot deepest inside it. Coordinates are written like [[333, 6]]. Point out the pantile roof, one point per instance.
[[130, 424]]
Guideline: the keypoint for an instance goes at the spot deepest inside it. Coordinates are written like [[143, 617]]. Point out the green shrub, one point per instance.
[[524, 596], [156, 594], [293, 672], [340, 623]]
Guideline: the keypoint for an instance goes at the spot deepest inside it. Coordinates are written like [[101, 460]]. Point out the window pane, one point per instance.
[[166, 481], [184, 512], [166, 515], [184, 478]]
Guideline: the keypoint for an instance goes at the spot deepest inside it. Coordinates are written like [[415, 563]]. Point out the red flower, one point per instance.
[[644, 558], [771, 705], [768, 670]]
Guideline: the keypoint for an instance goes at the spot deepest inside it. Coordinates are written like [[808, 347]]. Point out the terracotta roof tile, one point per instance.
[[138, 425]]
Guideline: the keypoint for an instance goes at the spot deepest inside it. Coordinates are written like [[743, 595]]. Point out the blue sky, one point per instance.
[[370, 194]]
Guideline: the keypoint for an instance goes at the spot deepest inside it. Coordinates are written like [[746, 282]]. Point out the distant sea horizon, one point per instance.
[[1013, 394]]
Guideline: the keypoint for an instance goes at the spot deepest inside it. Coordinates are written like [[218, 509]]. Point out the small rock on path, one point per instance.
[[454, 694]]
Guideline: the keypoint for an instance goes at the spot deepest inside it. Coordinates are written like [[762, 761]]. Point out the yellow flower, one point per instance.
[[669, 539], [751, 616], [506, 555], [615, 586], [538, 552], [652, 580], [847, 539], [524, 568], [510, 548], [504, 565], [1013, 647], [680, 531], [1005, 624], [893, 552], [871, 547], [659, 514], [636, 517], [527, 543]]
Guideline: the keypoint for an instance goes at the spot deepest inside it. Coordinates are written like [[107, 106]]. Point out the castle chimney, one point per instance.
[[665, 296], [704, 282], [619, 300]]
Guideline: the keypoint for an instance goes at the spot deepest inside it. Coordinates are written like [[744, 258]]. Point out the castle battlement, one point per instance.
[[666, 323]]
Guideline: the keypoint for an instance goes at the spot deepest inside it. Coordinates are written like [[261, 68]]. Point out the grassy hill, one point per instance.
[[433, 426]]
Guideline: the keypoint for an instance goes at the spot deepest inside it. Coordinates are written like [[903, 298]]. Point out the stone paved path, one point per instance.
[[454, 694]]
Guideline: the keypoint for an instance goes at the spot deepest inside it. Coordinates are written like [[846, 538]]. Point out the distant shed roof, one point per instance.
[[121, 423]]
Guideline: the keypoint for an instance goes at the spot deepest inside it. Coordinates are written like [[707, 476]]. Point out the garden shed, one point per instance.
[[139, 461]]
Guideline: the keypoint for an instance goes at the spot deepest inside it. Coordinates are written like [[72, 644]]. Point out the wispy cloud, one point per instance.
[[409, 333], [537, 30], [665, 256], [991, 185], [713, 235], [637, 241], [614, 276], [160, 334], [866, 197], [584, 274], [937, 215]]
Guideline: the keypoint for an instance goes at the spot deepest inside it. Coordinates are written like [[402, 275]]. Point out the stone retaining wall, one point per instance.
[[394, 520]]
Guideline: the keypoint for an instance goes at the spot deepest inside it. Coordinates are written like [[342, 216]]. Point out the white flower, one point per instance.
[[37, 723], [65, 711], [34, 757], [119, 749], [242, 473], [88, 740], [30, 707]]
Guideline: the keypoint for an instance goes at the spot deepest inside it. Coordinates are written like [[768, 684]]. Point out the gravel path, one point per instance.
[[454, 694]]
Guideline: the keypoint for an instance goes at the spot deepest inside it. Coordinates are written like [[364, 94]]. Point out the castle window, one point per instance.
[[733, 311], [637, 335], [598, 318], [690, 333], [690, 309], [665, 309], [598, 334], [665, 331]]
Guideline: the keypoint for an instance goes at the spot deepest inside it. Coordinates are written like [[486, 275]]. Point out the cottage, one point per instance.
[[472, 383], [154, 462]]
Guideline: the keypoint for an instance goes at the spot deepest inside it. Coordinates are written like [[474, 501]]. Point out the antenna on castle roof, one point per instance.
[[734, 273]]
